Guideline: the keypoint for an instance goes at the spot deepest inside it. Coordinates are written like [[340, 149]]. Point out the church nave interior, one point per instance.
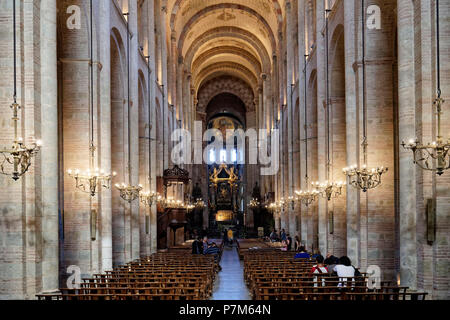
[[133, 128]]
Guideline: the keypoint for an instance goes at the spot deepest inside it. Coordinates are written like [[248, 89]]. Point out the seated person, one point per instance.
[[197, 246], [330, 262], [302, 254], [344, 269], [284, 246], [212, 249], [273, 235], [319, 268], [205, 243]]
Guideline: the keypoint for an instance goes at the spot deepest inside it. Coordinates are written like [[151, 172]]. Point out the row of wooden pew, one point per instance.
[[172, 275], [276, 275]]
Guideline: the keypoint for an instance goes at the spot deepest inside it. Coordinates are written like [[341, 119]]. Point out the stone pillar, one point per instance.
[[165, 82], [336, 207], [380, 205], [406, 92], [105, 209], [321, 130], [134, 130], [352, 127], [74, 105], [153, 87], [49, 151]]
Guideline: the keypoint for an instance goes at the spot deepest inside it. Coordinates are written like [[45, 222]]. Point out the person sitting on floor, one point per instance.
[[302, 254]]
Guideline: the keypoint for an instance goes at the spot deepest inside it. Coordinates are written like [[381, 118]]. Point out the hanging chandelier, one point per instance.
[[200, 204], [19, 155], [327, 189], [254, 203], [307, 197], [149, 198], [90, 180], [129, 192], [364, 178], [434, 156]]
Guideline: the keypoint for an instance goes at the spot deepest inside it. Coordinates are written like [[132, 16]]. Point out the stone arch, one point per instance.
[[337, 62], [233, 32], [225, 66], [230, 50], [219, 6], [227, 84], [233, 105], [276, 8]]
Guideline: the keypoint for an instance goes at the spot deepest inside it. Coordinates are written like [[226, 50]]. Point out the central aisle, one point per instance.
[[230, 284]]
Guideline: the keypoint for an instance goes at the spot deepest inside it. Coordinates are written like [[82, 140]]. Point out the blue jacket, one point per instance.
[[302, 255]]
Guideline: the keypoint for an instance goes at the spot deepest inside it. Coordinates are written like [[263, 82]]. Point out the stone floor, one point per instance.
[[230, 284]]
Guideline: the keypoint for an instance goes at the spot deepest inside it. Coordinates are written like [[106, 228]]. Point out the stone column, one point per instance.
[[336, 206], [74, 105], [406, 92], [164, 81], [377, 206], [134, 130], [153, 87], [321, 129], [352, 127], [105, 213], [49, 151]]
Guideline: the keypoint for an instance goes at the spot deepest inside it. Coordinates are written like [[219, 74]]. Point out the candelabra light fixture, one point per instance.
[[364, 178], [149, 198], [434, 156], [307, 197], [200, 204], [328, 189], [292, 200], [129, 193], [17, 159], [254, 203], [88, 181]]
